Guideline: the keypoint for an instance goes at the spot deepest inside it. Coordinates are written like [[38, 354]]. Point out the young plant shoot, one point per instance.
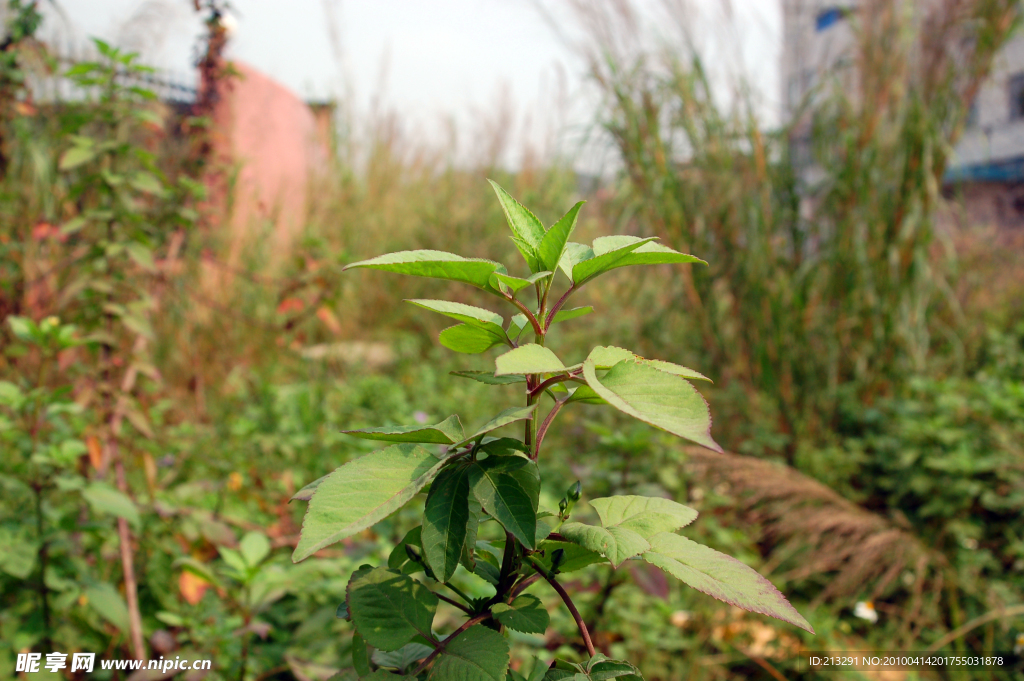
[[480, 477]]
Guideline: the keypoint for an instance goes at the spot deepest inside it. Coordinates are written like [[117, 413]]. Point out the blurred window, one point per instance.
[[1016, 88]]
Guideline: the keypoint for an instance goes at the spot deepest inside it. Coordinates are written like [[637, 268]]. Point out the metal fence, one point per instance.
[[49, 87]]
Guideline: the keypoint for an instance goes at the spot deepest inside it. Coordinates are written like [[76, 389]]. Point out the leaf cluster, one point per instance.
[[481, 478]]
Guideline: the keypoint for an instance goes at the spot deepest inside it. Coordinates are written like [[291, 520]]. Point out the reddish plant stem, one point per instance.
[[558, 306], [444, 644], [561, 378], [568, 603], [529, 315], [547, 424], [522, 586], [452, 601]]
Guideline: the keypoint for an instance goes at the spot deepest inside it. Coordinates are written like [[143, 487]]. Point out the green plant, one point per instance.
[[482, 506]]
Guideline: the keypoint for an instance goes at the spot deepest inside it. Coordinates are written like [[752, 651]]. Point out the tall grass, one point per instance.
[[823, 280]]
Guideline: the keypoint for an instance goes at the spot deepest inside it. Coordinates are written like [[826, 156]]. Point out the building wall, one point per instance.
[[275, 144], [995, 130], [818, 46]]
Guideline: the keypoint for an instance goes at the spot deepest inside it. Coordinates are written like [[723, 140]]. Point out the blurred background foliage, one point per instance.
[[158, 406]]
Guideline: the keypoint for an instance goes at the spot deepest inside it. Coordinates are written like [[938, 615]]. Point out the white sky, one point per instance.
[[427, 59]]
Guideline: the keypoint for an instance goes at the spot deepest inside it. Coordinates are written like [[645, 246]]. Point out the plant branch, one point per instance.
[[558, 306], [522, 586], [547, 424], [565, 599], [458, 592], [529, 315], [507, 558], [561, 378], [444, 644], [452, 601]]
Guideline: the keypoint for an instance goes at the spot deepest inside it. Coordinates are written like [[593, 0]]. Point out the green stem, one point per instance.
[[452, 601], [458, 593]]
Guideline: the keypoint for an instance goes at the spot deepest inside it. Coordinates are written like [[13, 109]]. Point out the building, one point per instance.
[[987, 167]]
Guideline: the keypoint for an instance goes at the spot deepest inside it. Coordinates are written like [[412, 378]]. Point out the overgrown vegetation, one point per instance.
[[875, 415]]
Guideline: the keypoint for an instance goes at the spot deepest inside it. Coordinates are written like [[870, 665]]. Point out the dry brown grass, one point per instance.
[[862, 552]]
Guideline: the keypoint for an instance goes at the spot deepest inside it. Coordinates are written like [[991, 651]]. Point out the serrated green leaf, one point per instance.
[[380, 675], [655, 397], [611, 252], [487, 572], [551, 248], [360, 655], [597, 668], [446, 520], [601, 668], [469, 340], [573, 313], [721, 576], [525, 614], [438, 265], [510, 415], [502, 496], [529, 254], [561, 669], [504, 446], [651, 253], [573, 254], [399, 560], [76, 156], [617, 544], [306, 493], [254, 547], [477, 654], [446, 432], [574, 556], [646, 516], [528, 230], [103, 498], [404, 659], [528, 359], [363, 492], [389, 608], [606, 252], [538, 671], [468, 557], [607, 356], [627, 524], [516, 284], [677, 370], [467, 314], [488, 377]]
